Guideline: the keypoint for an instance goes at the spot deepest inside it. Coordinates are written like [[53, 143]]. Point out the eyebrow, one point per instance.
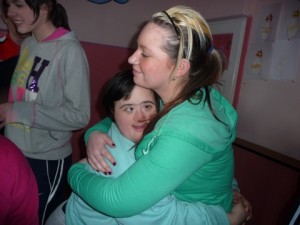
[[144, 102], [143, 47]]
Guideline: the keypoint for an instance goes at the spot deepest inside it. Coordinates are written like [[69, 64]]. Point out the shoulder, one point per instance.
[[195, 113], [69, 40], [196, 124]]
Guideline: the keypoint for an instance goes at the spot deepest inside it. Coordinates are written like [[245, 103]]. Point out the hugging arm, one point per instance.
[[96, 140], [184, 213], [133, 192]]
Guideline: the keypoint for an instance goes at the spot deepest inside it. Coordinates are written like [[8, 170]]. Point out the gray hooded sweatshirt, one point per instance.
[[50, 94]]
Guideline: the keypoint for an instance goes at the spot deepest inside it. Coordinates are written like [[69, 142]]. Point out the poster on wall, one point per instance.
[[274, 46], [228, 36], [223, 42]]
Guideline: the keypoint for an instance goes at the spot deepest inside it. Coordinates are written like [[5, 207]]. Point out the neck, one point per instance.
[[44, 31], [169, 93]]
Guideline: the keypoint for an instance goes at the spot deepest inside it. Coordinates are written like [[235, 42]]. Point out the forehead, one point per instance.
[[151, 35], [138, 95]]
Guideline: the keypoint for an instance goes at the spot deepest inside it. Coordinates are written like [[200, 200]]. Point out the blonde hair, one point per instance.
[[193, 41], [188, 36]]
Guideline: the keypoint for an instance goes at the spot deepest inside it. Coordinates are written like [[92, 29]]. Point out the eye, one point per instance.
[[148, 107], [128, 109], [19, 4], [144, 55]]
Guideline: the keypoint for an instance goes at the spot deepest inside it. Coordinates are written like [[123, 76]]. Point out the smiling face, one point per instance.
[[24, 18], [152, 67], [133, 114]]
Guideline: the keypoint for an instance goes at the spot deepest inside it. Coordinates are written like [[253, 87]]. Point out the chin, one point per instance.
[[138, 81]]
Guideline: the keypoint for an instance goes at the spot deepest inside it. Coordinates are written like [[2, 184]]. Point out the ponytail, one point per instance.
[[59, 17]]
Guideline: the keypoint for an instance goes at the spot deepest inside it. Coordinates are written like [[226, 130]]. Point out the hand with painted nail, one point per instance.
[[97, 151], [241, 210]]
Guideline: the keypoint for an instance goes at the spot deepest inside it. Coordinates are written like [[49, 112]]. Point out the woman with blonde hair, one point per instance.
[[186, 150]]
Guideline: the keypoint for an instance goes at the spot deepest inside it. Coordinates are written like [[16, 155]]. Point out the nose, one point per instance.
[[10, 10], [133, 59], [140, 116]]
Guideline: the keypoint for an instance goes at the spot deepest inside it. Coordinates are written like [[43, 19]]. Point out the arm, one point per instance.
[[102, 126], [202, 214], [134, 191], [171, 211], [96, 141]]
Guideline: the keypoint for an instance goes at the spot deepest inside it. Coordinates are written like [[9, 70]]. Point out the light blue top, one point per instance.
[[168, 211]]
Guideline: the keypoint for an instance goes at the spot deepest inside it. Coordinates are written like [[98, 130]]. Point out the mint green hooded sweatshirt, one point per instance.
[[188, 154]]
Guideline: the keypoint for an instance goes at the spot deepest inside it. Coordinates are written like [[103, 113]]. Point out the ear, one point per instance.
[[44, 10], [183, 68]]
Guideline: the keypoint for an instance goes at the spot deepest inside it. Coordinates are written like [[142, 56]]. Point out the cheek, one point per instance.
[[123, 123], [150, 114], [147, 67], [157, 69]]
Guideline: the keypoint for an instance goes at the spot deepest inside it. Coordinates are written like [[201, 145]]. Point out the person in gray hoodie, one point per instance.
[[49, 95]]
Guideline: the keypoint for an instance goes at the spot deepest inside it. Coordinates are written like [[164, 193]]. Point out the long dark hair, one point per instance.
[[57, 13]]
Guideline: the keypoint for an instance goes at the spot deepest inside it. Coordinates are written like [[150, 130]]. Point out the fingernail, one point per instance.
[[109, 173], [114, 163], [113, 144], [105, 173]]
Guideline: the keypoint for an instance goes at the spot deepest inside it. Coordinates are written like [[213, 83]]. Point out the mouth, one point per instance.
[[139, 127], [135, 72], [17, 22]]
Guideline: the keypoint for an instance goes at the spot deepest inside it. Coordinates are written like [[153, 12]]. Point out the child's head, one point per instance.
[[128, 105], [28, 15]]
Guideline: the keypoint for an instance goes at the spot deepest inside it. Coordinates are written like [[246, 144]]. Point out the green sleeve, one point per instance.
[[146, 182], [184, 213], [102, 126]]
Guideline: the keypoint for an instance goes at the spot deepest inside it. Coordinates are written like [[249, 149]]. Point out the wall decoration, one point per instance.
[[278, 38], [228, 36], [223, 42]]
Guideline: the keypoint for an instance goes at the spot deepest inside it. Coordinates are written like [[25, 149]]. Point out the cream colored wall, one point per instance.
[[115, 24], [269, 110]]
